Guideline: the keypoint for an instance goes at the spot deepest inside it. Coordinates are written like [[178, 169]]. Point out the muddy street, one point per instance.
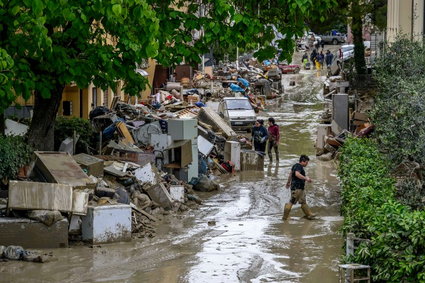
[[237, 235]]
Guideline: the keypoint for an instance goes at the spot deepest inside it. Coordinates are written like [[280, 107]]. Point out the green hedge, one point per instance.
[[396, 251], [14, 153]]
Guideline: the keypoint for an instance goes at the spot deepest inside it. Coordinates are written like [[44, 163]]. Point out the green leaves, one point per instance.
[[395, 250], [15, 153], [117, 9]]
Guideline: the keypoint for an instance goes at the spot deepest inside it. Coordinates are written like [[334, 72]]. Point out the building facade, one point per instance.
[[405, 17]]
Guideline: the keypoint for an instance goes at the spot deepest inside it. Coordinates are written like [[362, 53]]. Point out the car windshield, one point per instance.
[[238, 104], [347, 48]]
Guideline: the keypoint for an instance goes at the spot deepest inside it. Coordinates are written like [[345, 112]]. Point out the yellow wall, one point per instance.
[[22, 102], [72, 93], [151, 71]]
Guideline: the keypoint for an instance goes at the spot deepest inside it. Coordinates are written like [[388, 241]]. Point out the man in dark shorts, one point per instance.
[[296, 181]]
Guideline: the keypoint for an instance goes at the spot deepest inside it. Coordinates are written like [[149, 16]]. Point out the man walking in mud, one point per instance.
[[296, 181]]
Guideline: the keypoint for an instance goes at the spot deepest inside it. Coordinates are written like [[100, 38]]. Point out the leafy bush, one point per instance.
[[14, 153], [396, 251], [399, 110], [411, 192], [65, 127]]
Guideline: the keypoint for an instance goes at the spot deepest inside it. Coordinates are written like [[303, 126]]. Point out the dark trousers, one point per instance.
[[273, 145], [261, 147]]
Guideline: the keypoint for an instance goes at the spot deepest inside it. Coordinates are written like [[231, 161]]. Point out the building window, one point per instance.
[[67, 108], [105, 97], [94, 97]]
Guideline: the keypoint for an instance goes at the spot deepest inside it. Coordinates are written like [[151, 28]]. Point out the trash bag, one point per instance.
[[121, 195], [14, 252], [47, 217], [204, 184], [18, 253], [98, 111]]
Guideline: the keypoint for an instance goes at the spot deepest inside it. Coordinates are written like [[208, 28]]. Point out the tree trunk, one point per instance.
[[2, 126], [41, 132], [357, 30]]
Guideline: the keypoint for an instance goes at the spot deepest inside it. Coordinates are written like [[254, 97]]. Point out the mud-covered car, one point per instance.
[[290, 69]]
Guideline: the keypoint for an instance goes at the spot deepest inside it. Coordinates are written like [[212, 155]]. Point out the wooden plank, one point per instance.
[[133, 206], [123, 130], [209, 116]]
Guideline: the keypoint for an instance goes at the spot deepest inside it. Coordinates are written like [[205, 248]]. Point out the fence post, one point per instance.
[[350, 244]]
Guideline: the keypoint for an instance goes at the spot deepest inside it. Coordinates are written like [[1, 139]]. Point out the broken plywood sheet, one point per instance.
[[35, 195], [123, 130], [61, 168], [209, 116]]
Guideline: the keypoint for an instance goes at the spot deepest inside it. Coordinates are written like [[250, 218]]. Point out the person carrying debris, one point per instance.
[[329, 58], [259, 136], [296, 181], [274, 137]]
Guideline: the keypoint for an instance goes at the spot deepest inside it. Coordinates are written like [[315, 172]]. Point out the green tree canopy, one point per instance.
[[55, 42]]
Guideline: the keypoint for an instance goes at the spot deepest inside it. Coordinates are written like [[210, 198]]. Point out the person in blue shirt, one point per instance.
[[260, 136], [328, 58]]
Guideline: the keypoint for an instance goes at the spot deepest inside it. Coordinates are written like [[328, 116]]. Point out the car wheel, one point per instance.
[[335, 41]]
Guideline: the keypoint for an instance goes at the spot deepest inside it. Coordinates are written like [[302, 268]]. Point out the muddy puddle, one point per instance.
[[237, 235]]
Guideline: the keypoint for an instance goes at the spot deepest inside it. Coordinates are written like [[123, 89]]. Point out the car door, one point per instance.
[[222, 111]]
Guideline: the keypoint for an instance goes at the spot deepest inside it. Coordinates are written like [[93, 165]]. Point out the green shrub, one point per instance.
[[14, 153], [65, 127], [399, 109], [396, 251]]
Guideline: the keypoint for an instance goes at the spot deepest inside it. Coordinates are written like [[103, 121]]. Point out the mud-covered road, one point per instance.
[[237, 235]]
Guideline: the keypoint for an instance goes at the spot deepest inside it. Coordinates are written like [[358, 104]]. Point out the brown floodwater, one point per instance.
[[237, 235]]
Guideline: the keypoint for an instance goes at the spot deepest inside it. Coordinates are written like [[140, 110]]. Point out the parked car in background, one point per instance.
[[237, 112], [317, 38], [347, 51], [289, 69], [333, 38]]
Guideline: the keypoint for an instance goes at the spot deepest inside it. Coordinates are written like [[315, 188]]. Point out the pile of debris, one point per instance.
[[148, 161], [146, 165], [340, 120]]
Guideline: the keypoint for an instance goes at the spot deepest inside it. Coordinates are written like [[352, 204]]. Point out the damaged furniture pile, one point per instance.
[[252, 80], [148, 161], [147, 165], [345, 115]]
